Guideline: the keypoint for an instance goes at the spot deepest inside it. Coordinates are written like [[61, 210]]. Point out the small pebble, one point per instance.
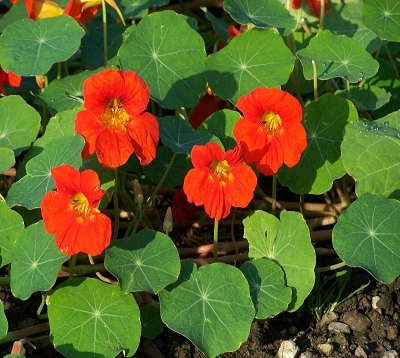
[[328, 318], [392, 332], [292, 330], [375, 300], [326, 348], [390, 354], [306, 355], [356, 321], [385, 301], [339, 327], [360, 352], [288, 349]]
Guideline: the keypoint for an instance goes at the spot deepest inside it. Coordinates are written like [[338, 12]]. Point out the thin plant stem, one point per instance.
[[59, 72], [330, 268], [233, 230], [151, 199], [215, 256], [100, 276], [315, 80], [17, 335], [5, 281], [39, 311], [105, 42], [396, 71], [116, 208], [72, 262], [321, 16], [273, 203], [302, 211]]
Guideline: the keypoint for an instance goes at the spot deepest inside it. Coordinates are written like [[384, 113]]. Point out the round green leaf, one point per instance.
[[371, 154], [288, 243], [156, 169], [36, 261], [29, 190], [367, 98], [138, 8], [19, 123], [252, 59], [220, 27], [337, 56], [211, 306], [367, 235], [11, 227], [169, 56], [261, 13], [91, 318], [7, 159], [321, 162], [152, 325], [392, 85], [63, 94], [3, 321], [145, 261], [383, 18], [267, 287], [179, 135], [345, 19], [221, 125], [30, 48]]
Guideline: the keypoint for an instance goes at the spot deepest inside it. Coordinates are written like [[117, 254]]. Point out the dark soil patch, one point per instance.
[[372, 332]]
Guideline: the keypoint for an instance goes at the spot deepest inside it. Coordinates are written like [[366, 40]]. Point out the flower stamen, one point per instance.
[[80, 204], [272, 122], [220, 168], [115, 114]]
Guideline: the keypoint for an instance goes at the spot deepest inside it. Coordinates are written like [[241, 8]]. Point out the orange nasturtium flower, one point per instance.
[[114, 123], [315, 6], [9, 78], [270, 132], [219, 180], [71, 212]]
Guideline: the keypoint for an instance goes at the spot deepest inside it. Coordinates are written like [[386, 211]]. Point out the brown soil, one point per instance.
[[372, 332]]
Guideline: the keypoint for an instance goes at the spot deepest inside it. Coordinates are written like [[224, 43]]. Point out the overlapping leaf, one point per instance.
[[261, 13], [252, 59], [3, 321], [146, 261], [169, 56], [288, 243], [19, 124], [152, 324], [11, 227], [371, 154], [367, 235], [90, 317], [337, 56], [211, 306], [367, 98], [320, 163], [30, 48], [29, 190], [7, 159], [382, 17], [267, 287], [36, 261]]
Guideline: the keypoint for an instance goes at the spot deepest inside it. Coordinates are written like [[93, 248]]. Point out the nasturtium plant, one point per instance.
[[133, 135]]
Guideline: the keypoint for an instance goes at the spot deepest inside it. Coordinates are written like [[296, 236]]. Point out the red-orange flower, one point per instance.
[[219, 180], [315, 6], [10, 79], [182, 210], [114, 124], [270, 132], [71, 212]]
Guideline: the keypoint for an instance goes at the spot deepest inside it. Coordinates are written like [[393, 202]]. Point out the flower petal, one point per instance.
[[272, 159], [252, 138], [88, 126], [144, 134], [113, 148], [56, 212], [240, 186], [195, 186], [67, 179], [204, 155], [216, 203], [90, 187], [293, 143]]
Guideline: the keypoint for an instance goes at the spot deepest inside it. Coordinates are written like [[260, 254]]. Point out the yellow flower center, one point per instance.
[[115, 114], [220, 168], [80, 204], [272, 122]]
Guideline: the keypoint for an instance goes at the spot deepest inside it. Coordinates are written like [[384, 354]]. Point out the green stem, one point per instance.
[[116, 209], [151, 199], [330, 268], [72, 262], [315, 80], [22, 333], [105, 42], [59, 72], [396, 71], [321, 16], [215, 253], [273, 204], [5, 280], [39, 311]]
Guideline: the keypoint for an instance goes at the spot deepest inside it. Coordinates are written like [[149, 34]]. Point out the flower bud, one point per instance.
[[168, 221], [137, 193]]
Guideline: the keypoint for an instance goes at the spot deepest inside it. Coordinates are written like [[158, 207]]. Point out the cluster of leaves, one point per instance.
[[352, 128]]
